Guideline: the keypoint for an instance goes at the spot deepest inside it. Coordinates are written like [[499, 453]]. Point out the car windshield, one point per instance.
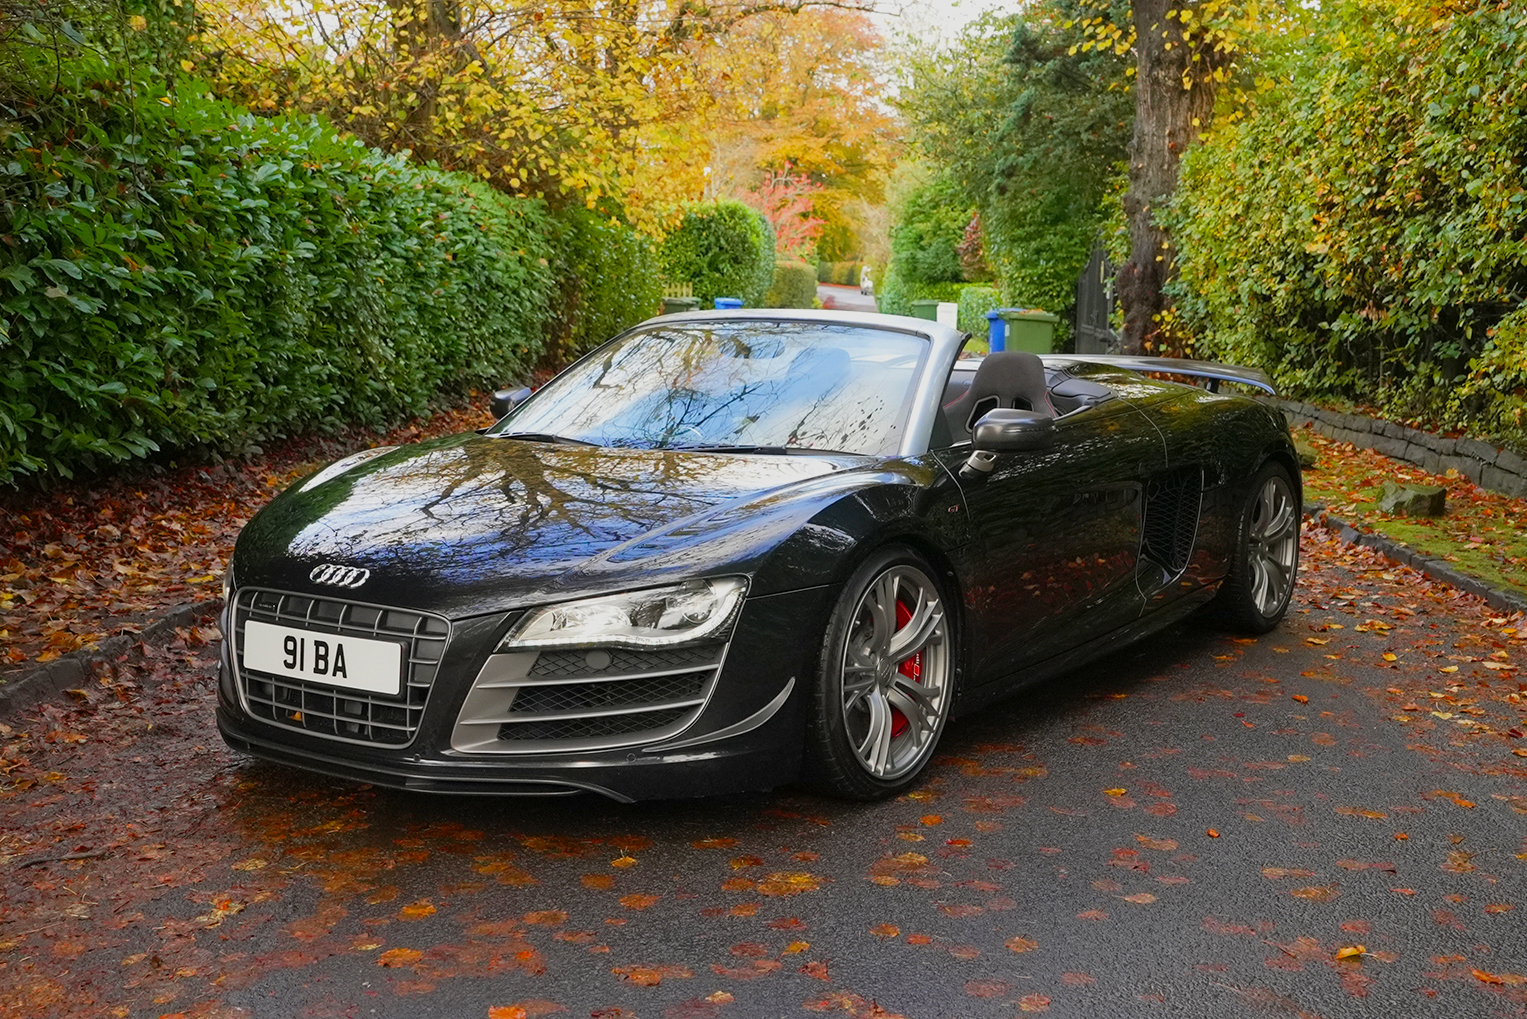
[[729, 384]]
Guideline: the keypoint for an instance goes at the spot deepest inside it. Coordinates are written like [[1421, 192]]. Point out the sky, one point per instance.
[[942, 17]]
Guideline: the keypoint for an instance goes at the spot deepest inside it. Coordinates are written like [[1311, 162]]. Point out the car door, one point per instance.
[[1056, 538]]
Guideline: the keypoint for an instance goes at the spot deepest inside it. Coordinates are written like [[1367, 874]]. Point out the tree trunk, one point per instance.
[[1168, 118], [422, 30]]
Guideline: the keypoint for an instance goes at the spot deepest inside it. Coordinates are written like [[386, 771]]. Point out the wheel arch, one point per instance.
[[1285, 456]]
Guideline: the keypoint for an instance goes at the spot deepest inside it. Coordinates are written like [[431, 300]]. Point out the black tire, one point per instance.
[[1265, 561], [878, 672]]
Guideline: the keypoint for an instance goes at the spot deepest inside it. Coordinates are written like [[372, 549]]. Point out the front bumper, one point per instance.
[[755, 714]]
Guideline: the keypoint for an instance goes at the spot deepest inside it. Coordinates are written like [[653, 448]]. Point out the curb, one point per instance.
[[24, 689], [1437, 569]]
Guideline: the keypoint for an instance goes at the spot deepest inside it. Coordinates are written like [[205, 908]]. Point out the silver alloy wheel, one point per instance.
[[896, 671], [1272, 545]]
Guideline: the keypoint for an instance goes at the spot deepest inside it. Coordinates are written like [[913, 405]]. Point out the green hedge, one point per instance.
[[975, 301], [724, 249], [795, 286], [611, 279], [841, 273], [895, 294], [179, 273], [1360, 236]]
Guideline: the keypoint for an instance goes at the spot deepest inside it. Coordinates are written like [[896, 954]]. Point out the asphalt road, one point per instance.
[[844, 298], [1201, 826]]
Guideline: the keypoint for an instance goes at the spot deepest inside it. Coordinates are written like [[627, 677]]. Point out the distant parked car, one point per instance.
[[727, 550], [866, 284]]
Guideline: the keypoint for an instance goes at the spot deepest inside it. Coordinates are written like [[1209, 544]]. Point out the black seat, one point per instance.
[[1007, 378]]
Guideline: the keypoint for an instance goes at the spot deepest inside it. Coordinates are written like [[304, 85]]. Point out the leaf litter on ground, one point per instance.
[[84, 561]]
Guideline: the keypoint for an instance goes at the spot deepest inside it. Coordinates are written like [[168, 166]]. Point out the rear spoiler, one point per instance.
[[1212, 372]]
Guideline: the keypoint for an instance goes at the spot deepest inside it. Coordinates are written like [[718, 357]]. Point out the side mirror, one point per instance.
[[1006, 430], [505, 400]]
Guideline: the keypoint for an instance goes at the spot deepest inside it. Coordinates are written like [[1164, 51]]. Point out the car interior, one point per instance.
[[1009, 378]]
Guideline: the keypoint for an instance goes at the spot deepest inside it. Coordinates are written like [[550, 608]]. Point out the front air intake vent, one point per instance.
[[585, 699]]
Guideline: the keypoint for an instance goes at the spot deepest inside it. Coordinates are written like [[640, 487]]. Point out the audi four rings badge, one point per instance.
[[339, 576]]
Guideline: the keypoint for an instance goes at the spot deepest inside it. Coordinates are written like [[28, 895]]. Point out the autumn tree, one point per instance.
[[803, 91], [1184, 52], [785, 198], [597, 103]]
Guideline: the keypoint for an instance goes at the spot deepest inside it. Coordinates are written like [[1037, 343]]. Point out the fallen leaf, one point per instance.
[[395, 957], [1162, 845], [784, 884], [417, 910]]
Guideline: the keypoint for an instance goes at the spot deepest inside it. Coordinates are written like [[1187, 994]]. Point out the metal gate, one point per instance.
[[1094, 304]]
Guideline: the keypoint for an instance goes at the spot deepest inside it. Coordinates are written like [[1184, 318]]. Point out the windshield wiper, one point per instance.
[[543, 437]]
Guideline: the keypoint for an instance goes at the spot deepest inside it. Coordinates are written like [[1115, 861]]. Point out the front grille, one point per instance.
[[334, 713], [1172, 505], [585, 699]]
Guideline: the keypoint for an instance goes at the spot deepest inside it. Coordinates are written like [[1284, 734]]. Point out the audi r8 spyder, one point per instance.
[[727, 551]]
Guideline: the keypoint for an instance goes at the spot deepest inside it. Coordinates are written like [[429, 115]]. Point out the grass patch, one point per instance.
[[1481, 533]]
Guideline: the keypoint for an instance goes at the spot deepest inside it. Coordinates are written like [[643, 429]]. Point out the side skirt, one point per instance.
[[1098, 647]]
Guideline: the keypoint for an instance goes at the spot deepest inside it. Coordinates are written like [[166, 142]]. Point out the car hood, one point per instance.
[[472, 524]]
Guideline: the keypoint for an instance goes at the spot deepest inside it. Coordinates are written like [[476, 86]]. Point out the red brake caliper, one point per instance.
[[912, 668]]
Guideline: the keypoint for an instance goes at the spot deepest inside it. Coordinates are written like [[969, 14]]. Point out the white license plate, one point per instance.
[[353, 663]]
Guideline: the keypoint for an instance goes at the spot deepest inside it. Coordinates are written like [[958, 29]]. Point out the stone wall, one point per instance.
[[1497, 468]]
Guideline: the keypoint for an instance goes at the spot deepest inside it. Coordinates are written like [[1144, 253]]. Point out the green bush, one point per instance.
[[724, 249], [895, 295], [975, 301], [930, 224], [795, 286], [179, 273], [1360, 235], [610, 277]]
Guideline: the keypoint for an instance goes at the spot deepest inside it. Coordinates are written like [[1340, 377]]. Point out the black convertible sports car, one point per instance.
[[727, 551]]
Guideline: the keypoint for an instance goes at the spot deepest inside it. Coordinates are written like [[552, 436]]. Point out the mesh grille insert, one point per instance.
[[576, 663], [1172, 504], [321, 710], [632, 692], [590, 728]]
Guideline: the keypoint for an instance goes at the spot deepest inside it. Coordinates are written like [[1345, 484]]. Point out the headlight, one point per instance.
[[227, 583], [657, 617], [343, 464]]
